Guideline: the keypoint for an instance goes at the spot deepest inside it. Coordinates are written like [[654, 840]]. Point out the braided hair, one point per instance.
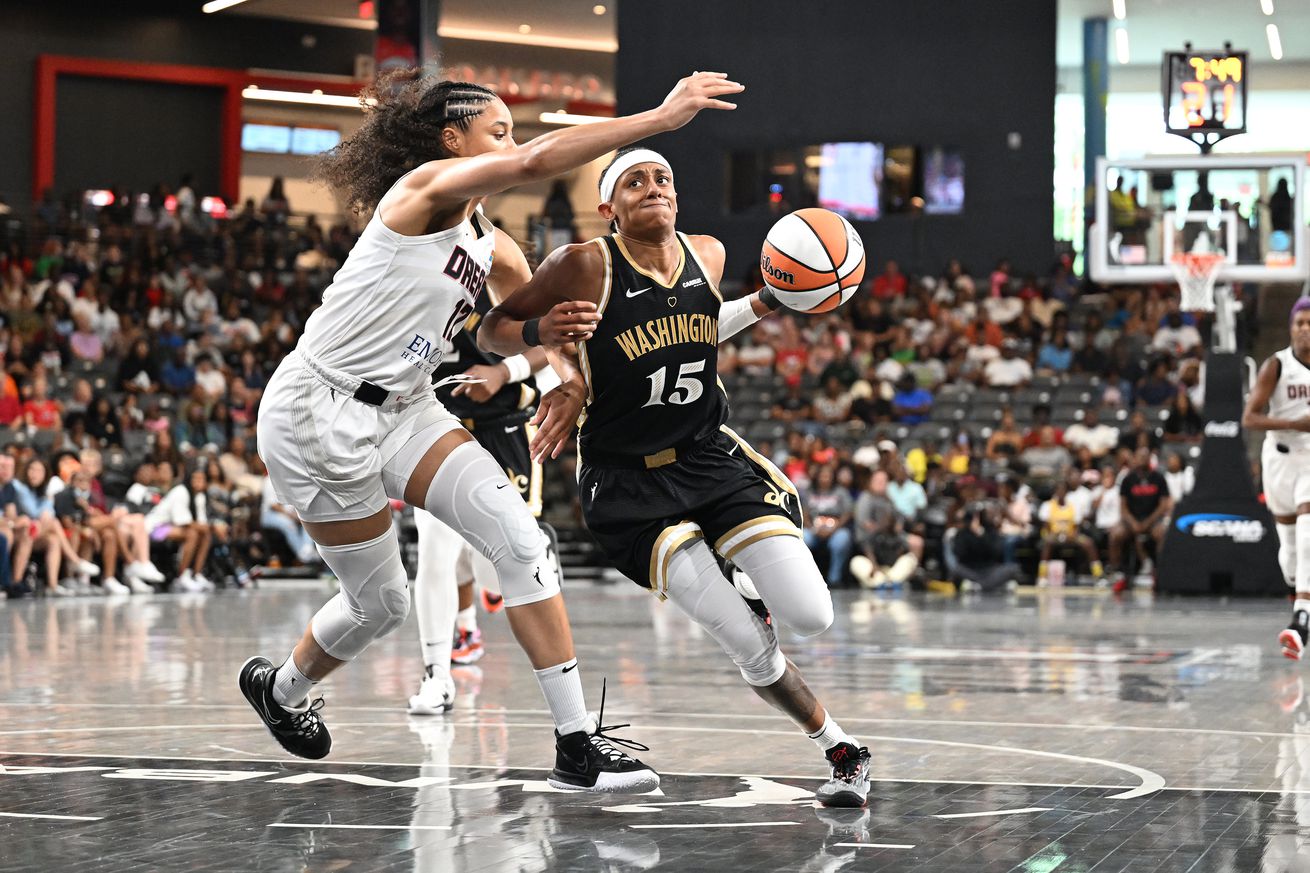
[[405, 115]]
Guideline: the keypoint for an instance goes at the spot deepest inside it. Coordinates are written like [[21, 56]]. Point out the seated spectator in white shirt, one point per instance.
[[1099, 438], [1175, 337], [1009, 370], [210, 378]]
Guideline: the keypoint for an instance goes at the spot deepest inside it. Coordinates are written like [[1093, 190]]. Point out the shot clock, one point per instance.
[[1205, 94]]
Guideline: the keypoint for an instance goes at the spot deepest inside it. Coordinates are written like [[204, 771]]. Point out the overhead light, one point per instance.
[[508, 36], [1267, 7], [1121, 9], [316, 98], [1121, 44], [598, 9], [568, 118], [219, 5], [525, 28], [1275, 41]]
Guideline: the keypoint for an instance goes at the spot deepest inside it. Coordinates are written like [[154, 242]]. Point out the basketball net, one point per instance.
[[1196, 272]]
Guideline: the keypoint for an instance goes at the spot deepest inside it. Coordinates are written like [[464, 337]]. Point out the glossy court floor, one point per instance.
[[1058, 733]]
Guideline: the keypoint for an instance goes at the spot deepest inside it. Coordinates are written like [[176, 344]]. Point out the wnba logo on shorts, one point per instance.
[[766, 266]]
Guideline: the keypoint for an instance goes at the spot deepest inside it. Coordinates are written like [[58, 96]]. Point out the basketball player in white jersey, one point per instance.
[[350, 421], [666, 485], [1280, 406]]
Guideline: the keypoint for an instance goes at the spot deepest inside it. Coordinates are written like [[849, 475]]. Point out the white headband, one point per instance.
[[626, 162]]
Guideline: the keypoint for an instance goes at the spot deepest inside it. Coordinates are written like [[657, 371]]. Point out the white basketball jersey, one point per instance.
[[391, 308], [1291, 399]]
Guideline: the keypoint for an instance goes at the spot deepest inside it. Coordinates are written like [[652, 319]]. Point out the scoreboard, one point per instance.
[[1205, 94]]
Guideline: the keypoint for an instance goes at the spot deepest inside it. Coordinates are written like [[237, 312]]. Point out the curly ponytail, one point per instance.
[[405, 115]]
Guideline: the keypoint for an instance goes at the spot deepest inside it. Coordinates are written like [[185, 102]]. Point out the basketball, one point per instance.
[[813, 260]]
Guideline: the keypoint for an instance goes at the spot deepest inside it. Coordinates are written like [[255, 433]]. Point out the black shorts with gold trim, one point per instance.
[[507, 439], [720, 490]]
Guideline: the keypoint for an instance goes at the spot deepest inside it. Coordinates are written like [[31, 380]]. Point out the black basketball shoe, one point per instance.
[[849, 785], [1293, 640], [302, 733], [589, 762]]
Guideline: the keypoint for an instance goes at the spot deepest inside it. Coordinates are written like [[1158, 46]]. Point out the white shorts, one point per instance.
[[1286, 477], [335, 458]]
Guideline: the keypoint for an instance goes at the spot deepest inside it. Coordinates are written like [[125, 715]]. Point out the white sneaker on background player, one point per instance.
[[436, 696]]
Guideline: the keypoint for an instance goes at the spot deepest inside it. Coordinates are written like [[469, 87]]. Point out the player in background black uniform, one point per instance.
[[496, 405], [664, 482]]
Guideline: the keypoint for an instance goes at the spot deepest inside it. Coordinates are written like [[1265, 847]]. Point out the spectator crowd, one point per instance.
[[982, 429]]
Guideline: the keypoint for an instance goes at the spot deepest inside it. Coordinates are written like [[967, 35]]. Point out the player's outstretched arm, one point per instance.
[[445, 183], [734, 315]]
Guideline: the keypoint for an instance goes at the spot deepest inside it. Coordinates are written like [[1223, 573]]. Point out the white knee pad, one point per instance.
[[789, 582], [471, 494], [697, 586], [373, 600], [1287, 552]]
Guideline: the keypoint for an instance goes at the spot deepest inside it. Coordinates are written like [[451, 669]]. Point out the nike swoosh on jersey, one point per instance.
[[631, 293]]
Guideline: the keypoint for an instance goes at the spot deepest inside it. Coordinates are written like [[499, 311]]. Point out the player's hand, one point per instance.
[[557, 415], [696, 92], [570, 322], [493, 379]]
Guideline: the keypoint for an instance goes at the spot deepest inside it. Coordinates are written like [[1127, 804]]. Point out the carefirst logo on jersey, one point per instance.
[[463, 270], [1218, 525], [641, 339]]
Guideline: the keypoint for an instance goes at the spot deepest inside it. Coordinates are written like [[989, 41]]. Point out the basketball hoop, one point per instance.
[[1196, 273]]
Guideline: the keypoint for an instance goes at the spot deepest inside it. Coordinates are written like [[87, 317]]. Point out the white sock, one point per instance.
[[1303, 555], [831, 734], [1287, 552], [1301, 603], [467, 619], [291, 687], [562, 688]]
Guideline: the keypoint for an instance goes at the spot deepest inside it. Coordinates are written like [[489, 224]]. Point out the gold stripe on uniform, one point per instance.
[[752, 532], [763, 519], [609, 273], [632, 262], [791, 531], [774, 473], [706, 273], [666, 545]]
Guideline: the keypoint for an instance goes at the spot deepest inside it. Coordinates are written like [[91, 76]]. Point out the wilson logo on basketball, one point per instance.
[[766, 266]]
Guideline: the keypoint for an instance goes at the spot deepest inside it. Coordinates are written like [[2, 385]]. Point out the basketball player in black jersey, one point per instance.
[[664, 482], [496, 405]]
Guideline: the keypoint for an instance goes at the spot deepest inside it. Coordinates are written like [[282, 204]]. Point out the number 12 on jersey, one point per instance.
[[685, 390]]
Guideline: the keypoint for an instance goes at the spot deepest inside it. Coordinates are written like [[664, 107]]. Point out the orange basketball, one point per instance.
[[813, 260]]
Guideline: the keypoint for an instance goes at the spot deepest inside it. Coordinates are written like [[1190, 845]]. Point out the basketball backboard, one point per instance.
[[1247, 208]]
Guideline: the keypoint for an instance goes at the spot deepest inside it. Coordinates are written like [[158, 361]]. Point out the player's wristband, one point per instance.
[[518, 367], [769, 299], [532, 332]]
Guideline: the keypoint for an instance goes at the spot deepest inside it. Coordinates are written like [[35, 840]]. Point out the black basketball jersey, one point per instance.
[[515, 397], [652, 364]]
